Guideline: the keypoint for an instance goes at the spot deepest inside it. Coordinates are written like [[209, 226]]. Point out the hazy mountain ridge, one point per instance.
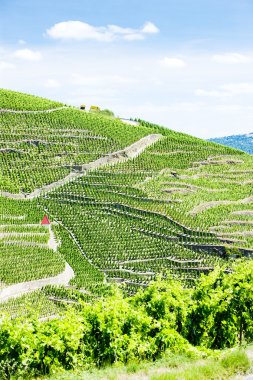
[[243, 142]]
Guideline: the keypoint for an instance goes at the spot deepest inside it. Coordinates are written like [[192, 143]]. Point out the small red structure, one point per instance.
[[45, 221]]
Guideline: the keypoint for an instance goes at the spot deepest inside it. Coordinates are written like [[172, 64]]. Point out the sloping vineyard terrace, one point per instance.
[[131, 202]]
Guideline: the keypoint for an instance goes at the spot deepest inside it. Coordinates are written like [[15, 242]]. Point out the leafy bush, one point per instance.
[[222, 313], [218, 313], [114, 329]]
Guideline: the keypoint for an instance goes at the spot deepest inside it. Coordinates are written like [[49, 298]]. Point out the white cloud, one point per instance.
[[6, 65], [102, 80], [211, 93], [149, 27], [231, 89], [51, 83], [134, 37], [231, 58], [27, 54], [137, 85], [238, 88], [173, 63], [79, 31]]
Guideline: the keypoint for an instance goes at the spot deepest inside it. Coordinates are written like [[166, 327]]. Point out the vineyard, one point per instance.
[[127, 203]]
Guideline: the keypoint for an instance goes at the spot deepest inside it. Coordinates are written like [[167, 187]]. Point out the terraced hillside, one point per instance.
[[127, 202]]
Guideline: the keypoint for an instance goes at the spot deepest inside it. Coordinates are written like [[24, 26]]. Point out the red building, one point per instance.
[[45, 221]]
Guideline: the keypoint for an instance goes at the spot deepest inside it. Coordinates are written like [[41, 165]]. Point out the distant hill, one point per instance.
[[242, 142]]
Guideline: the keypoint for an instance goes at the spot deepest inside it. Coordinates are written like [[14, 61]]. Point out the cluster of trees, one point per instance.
[[218, 313]]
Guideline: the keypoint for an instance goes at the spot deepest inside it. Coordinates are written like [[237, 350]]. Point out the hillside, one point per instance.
[[127, 203], [242, 142]]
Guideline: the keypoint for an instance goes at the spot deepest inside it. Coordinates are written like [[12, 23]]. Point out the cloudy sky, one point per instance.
[[185, 64]]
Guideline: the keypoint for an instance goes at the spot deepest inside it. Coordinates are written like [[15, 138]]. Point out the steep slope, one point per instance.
[[243, 142], [131, 202]]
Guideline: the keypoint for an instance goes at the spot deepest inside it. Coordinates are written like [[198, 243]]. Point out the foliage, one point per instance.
[[125, 223], [13, 100], [221, 365], [24, 244], [32, 347], [107, 112], [179, 210], [222, 313], [111, 330], [59, 141], [164, 300], [120, 330]]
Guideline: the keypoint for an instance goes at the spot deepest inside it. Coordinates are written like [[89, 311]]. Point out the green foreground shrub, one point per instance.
[[164, 316], [221, 314]]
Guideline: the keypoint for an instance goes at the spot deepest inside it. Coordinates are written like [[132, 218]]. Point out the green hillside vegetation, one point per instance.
[[164, 321], [25, 254], [17, 101], [128, 204], [54, 143], [182, 205]]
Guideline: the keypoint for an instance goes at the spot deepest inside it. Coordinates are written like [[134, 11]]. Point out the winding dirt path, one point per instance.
[[52, 242], [63, 278], [125, 154], [204, 206], [243, 212], [21, 288]]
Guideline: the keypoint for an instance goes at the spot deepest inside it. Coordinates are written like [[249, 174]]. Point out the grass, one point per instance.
[[231, 364], [220, 365]]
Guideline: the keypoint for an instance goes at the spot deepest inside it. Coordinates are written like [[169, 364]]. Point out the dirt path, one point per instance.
[[204, 206], [236, 233], [125, 154], [183, 185], [63, 278], [18, 225], [52, 242], [243, 212], [158, 258], [3, 235], [129, 271], [21, 288]]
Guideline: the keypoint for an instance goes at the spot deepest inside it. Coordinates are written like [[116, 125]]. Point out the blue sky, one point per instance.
[[186, 64]]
